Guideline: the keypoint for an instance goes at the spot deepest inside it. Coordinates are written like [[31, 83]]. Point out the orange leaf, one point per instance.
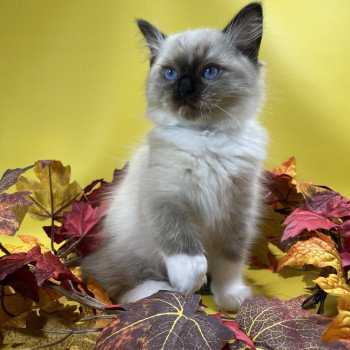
[[320, 252], [339, 328], [317, 251], [288, 167], [99, 293]]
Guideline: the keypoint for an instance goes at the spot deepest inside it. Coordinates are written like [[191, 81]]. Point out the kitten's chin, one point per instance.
[[189, 112]]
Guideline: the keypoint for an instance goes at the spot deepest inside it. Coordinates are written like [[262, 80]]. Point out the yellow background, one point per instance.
[[72, 76]]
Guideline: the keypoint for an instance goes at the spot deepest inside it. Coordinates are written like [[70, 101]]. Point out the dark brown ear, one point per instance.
[[245, 30], [152, 35]]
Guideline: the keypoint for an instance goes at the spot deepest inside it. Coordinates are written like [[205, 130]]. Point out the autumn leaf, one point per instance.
[[81, 226], [96, 196], [339, 328], [320, 252], [11, 176], [49, 266], [53, 193], [98, 292], [283, 325], [300, 220], [238, 334], [165, 320], [11, 263], [23, 282], [14, 271], [288, 167], [14, 206], [329, 204], [284, 192], [51, 327]]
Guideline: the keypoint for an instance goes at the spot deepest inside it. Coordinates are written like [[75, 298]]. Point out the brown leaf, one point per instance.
[[165, 320], [283, 325], [13, 208]]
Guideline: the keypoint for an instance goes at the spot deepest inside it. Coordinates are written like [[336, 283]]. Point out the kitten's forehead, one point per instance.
[[193, 46]]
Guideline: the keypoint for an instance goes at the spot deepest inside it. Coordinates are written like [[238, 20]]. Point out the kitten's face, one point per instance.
[[204, 76]]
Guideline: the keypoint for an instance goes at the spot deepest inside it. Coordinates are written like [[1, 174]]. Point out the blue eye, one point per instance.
[[170, 74], [210, 72]]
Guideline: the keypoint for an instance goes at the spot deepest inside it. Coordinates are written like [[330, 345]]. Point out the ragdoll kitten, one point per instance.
[[189, 202]]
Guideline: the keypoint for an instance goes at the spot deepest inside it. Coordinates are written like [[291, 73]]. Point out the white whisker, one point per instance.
[[231, 115]]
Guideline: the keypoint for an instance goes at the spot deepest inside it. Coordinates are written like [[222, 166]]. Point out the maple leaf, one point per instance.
[[49, 266], [320, 252], [14, 271], [165, 320], [329, 204], [96, 196], [82, 227], [11, 263], [300, 220], [23, 282], [339, 328], [283, 325], [284, 192], [53, 193], [13, 207], [288, 167]]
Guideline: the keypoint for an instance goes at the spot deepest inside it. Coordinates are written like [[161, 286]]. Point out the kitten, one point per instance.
[[189, 203]]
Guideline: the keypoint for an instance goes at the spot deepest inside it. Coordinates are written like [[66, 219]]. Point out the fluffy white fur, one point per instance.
[[205, 169]]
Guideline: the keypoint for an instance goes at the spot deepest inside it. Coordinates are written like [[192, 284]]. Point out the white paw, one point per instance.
[[186, 273], [232, 296]]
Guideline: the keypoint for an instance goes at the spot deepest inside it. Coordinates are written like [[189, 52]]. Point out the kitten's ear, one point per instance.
[[153, 36], [245, 30]]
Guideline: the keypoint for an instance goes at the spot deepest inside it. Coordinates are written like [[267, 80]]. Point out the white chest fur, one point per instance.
[[207, 168]]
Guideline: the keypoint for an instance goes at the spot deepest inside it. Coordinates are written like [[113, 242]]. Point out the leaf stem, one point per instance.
[[81, 298], [2, 303], [4, 249], [49, 345], [76, 331], [98, 316], [71, 247], [52, 232]]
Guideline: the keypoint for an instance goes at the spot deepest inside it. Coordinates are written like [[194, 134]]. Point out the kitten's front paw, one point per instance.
[[186, 273], [231, 297]]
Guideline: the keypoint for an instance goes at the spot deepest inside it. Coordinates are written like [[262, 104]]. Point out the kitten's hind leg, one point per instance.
[[143, 290], [227, 283]]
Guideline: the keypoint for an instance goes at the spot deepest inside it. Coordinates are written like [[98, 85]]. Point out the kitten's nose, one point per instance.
[[185, 87]]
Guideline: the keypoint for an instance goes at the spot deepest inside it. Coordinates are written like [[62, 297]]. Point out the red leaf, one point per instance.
[[23, 282], [57, 231], [345, 259], [301, 219], [238, 334], [96, 196], [346, 235], [49, 266], [115, 307], [165, 320], [329, 204], [10, 263], [82, 224], [277, 324]]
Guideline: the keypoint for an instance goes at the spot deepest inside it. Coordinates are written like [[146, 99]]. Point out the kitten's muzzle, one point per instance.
[[186, 86]]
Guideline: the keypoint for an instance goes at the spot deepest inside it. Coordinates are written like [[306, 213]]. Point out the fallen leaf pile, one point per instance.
[[45, 304]]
